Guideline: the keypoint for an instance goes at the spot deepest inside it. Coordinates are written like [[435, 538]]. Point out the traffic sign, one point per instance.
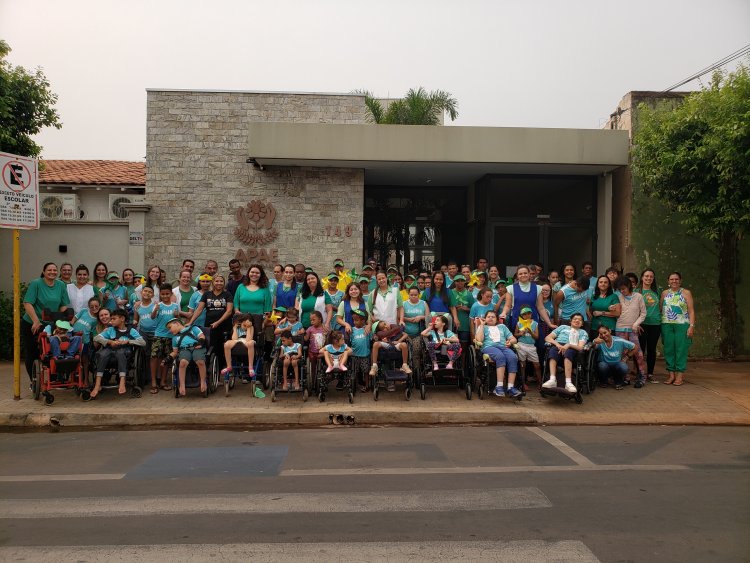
[[19, 192]]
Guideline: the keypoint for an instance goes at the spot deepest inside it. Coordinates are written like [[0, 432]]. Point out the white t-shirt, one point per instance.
[[79, 298]]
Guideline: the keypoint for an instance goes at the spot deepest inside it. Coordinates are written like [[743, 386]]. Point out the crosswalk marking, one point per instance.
[[72, 477], [561, 446], [265, 503], [449, 551]]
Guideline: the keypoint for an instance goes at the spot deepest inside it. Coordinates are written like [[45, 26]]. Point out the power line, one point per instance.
[[729, 58]]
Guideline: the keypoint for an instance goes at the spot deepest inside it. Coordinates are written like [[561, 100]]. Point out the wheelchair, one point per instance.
[[275, 376], [192, 376], [49, 374], [135, 378], [583, 376], [347, 379], [459, 375], [240, 367], [389, 360], [485, 374]]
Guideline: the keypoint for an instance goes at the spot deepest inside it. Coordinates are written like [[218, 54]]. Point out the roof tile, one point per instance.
[[94, 172]]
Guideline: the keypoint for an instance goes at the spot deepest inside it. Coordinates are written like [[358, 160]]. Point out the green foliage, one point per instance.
[[26, 106], [418, 107], [696, 157], [6, 322]]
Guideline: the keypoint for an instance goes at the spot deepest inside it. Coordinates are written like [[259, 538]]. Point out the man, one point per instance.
[[299, 273], [451, 273], [539, 271], [368, 271], [587, 270], [188, 265], [482, 264], [344, 278], [235, 278], [414, 270]]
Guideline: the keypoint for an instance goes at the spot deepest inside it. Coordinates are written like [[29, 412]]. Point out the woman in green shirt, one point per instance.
[[605, 306], [311, 298], [651, 327], [253, 298]]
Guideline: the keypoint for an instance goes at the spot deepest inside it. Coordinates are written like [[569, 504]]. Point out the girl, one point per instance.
[[495, 340], [315, 335], [290, 323], [569, 275], [102, 323], [152, 280], [290, 354], [204, 286], [333, 297], [677, 327], [651, 327], [311, 299], [217, 305], [494, 277], [628, 326], [567, 341], [99, 282], [336, 353], [183, 292], [554, 279], [438, 336], [242, 335], [128, 282]]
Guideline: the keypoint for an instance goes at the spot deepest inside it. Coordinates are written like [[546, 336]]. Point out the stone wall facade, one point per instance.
[[197, 179]]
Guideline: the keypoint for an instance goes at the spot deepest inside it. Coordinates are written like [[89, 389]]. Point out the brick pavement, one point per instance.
[[715, 393]]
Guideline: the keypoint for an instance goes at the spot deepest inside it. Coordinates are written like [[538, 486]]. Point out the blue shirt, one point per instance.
[[360, 342], [292, 350], [195, 298], [84, 324], [479, 310], [413, 310], [190, 337], [435, 336], [331, 349], [563, 334], [165, 314], [527, 338], [613, 354], [119, 292], [110, 333], [573, 302], [494, 337], [146, 325]]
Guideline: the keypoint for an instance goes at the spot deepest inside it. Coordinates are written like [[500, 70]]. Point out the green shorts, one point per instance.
[[195, 354], [161, 347]]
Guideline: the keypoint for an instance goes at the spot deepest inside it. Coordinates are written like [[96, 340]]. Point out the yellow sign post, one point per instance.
[[16, 315]]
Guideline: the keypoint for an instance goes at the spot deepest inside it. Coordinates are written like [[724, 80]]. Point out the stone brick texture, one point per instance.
[[197, 177]]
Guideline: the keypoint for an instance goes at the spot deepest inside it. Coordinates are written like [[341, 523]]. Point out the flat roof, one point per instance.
[[419, 154]]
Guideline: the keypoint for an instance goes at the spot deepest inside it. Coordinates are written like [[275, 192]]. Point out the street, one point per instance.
[[501, 493]]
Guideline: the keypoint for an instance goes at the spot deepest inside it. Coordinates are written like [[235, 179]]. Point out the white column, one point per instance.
[[137, 235], [604, 223]]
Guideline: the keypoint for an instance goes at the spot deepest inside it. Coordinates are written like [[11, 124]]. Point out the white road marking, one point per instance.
[[564, 448], [268, 503], [79, 477], [513, 551]]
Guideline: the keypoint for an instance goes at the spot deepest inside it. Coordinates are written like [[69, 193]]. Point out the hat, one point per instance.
[[363, 279], [205, 277], [113, 275], [525, 310], [63, 324], [412, 276], [280, 308], [392, 269], [338, 263], [175, 320], [374, 325], [479, 273], [459, 277], [359, 313], [502, 281], [367, 267], [333, 276], [309, 271]]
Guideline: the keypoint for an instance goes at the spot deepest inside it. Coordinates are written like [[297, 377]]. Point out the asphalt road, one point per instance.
[[375, 494]]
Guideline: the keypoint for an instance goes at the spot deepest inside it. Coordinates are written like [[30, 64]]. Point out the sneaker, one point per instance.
[[405, 368], [514, 393], [226, 371], [499, 391], [251, 372], [435, 367], [651, 379], [343, 368], [329, 369], [374, 370], [391, 387], [618, 387], [638, 384], [551, 383], [570, 388], [449, 366]]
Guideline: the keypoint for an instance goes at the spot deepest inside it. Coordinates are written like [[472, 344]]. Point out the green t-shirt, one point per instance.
[[464, 298], [603, 304], [653, 313], [307, 306], [252, 302], [41, 296]]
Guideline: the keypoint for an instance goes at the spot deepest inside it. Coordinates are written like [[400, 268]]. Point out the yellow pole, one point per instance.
[[16, 315]]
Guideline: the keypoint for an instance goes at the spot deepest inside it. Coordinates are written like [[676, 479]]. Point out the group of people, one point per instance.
[[347, 316]]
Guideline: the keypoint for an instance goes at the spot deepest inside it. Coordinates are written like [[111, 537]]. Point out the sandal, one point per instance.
[[154, 390], [166, 387], [678, 382], [670, 381]]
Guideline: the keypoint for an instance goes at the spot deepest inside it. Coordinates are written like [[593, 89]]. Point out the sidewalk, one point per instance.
[[715, 393]]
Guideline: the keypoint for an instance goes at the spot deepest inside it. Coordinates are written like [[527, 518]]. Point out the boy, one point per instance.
[[527, 333], [188, 344], [360, 347], [116, 341], [117, 295], [63, 332], [290, 354], [290, 323], [163, 312], [389, 337]]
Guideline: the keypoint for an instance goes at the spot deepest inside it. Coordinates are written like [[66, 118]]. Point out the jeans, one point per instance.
[[502, 356], [618, 372], [105, 355], [648, 341], [74, 346]]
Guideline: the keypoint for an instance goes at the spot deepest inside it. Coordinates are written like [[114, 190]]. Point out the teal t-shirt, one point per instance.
[[334, 300], [252, 302], [464, 298], [527, 338], [495, 336], [360, 342], [84, 324], [190, 337], [479, 310], [613, 354], [574, 302], [165, 314], [413, 310], [195, 298], [41, 296], [146, 325]]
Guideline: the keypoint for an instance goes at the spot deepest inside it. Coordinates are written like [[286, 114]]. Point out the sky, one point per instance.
[[546, 63]]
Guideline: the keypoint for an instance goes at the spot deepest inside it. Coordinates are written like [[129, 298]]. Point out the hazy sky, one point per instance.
[[552, 63]]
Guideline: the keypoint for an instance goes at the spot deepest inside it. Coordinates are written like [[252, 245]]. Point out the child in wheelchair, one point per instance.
[[495, 341], [188, 344], [566, 341], [61, 335], [439, 337], [290, 354], [117, 343], [242, 333]]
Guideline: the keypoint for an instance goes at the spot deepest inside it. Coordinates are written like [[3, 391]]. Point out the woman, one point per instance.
[[99, 282], [152, 280], [81, 291], [605, 306], [253, 298], [494, 277], [311, 298], [651, 327], [677, 327], [385, 302], [439, 299], [553, 278], [572, 299], [183, 292], [352, 301], [218, 306], [416, 313], [66, 273], [44, 292], [628, 327], [285, 294], [128, 282], [613, 351], [524, 293], [569, 275]]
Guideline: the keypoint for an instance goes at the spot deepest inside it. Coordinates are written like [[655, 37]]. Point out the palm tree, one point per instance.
[[418, 107]]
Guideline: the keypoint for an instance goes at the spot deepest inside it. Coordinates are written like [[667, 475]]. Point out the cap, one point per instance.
[[367, 267], [459, 277], [339, 263], [392, 269], [280, 308], [375, 326], [479, 273], [205, 277], [63, 324], [309, 271], [113, 275], [359, 312], [175, 320], [363, 279], [525, 310], [412, 276], [333, 276], [502, 281]]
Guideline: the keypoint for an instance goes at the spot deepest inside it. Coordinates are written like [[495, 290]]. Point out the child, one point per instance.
[[290, 323], [389, 337], [290, 354], [142, 310], [333, 296], [163, 312], [116, 295], [187, 344], [316, 336], [360, 347], [527, 333], [336, 353], [243, 333], [116, 342], [439, 336], [495, 341], [567, 341], [63, 332]]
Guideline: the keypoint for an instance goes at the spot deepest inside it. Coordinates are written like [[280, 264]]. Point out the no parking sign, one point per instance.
[[19, 192]]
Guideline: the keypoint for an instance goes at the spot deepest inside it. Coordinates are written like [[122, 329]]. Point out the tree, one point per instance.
[[696, 159], [418, 107], [26, 106]]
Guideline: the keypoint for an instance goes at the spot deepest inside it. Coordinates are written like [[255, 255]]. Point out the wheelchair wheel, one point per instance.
[[422, 391], [136, 392], [36, 379], [407, 393], [49, 398], [310, 376], [273, 395], [305, 395], [270, 380], [139, 368], [375, 393], [213, 373], [468, 391]]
